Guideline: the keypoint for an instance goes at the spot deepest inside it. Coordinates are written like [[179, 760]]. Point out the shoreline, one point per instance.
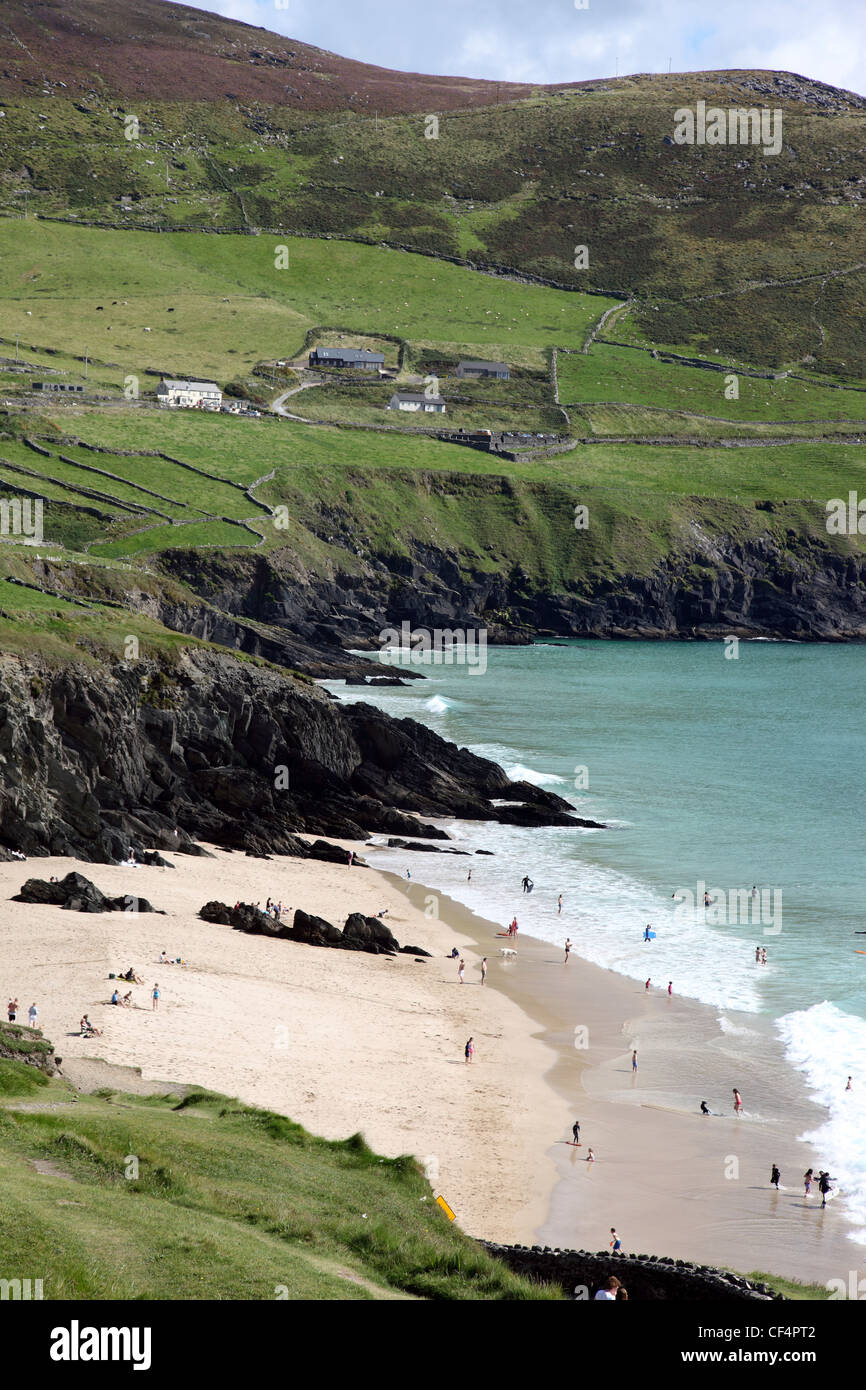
[[344, 1042], [672, 1181]]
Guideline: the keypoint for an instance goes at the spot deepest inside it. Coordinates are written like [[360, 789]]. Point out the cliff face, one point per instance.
[[712, 587], [93, 760]]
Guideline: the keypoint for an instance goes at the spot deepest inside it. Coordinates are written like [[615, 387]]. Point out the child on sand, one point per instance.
[[647, 985], [460, 969], [615, 1242], [468, 1051], [738, 1101], [32, 1014], [590, 1157], [567, 950], [483, 969], [155, 996]]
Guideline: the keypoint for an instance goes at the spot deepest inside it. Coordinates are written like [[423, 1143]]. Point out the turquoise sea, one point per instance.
[[713, 773]]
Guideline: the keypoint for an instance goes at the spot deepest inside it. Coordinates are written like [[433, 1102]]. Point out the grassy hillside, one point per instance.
[[727, 247], [217, 305], [228, 1203]]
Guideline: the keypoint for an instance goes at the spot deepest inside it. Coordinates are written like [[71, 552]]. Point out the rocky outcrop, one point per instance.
[[20, 1044], [360, 933], [94, 759], [76, 893]]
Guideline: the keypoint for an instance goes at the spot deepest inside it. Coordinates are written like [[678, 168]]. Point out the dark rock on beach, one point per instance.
[[76, 893], [360, 933]]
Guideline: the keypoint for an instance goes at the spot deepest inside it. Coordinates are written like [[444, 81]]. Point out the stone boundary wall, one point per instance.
[[581, 1274]]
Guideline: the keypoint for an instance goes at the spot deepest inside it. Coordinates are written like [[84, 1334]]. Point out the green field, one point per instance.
[[625, 376], [217, 305], [229, 1203]]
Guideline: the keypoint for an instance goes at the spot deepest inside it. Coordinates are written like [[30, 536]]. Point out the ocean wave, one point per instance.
[[827, 1046], [518, 773]]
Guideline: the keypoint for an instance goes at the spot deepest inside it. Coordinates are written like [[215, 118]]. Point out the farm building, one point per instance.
[[203, 395], [359, 358], [409, 400], [478, 371]]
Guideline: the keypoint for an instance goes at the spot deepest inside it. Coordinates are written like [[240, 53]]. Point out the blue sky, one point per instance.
[[554, 41]]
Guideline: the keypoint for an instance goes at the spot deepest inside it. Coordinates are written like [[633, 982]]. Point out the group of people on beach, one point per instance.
[[824, 1181], [12, 1009], [760, 955]]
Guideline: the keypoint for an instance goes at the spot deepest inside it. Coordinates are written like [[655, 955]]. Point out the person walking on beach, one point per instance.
[[807, 1181], [460, 969], [483, 969], [469, 877], [567, 949], [738, 1101], [468, 1051], [32, 1014], [408, 873], [823, 1186], [615, 1242], [757, 955], [647, 985], [524, 883], [775, 1175], [559, 905], [705, 1109], [670, 987], [647, 933], [155, 996], [351, 857], [634, 1060], [848, 1087], [763, 955], [575, 1133]]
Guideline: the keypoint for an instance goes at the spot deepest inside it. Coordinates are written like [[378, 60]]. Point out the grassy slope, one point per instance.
[[229, 1203], [615, 374], [696, 232], [233, 308]]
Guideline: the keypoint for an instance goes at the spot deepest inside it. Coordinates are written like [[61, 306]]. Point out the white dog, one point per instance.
[[507, 953]]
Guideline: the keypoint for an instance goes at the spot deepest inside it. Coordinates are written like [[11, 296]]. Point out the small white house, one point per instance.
[[410, 400], [190, 395]]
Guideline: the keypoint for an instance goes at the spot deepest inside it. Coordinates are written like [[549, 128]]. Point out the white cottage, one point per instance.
[[201, 395], [411, 400]]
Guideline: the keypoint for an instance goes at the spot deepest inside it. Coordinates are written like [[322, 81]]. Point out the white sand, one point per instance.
[[340, 1041]]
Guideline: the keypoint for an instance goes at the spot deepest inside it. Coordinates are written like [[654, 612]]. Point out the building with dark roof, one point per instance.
[[478, 371], [359, 358]]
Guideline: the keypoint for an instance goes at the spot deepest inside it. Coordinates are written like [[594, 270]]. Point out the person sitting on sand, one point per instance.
[[163, 958], [126, 1001], [88, 1029], [115, 998]]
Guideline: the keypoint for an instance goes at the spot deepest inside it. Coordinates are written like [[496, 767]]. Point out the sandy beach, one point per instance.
[[340, 1041], [345, 1042]]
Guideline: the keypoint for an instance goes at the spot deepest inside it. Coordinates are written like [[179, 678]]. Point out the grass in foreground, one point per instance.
[[228, 1203]]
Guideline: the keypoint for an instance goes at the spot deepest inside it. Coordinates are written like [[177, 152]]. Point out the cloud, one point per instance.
[[553, 41]]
